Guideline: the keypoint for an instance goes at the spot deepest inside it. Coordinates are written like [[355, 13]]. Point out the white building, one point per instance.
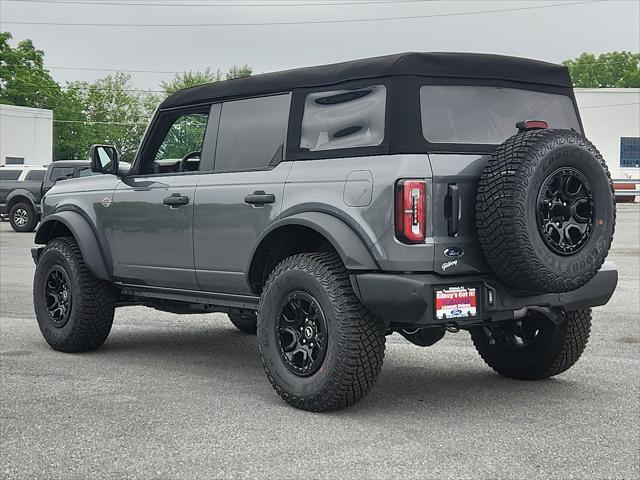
[[611, 119], [26, 135]]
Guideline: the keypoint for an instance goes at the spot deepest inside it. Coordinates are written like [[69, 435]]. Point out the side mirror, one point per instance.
[[104, 159], [60, 179]]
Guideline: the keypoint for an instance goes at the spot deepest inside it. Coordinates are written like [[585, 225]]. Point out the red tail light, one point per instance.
[[411, 205]]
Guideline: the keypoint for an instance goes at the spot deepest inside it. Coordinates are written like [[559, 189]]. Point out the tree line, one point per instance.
[[112, 111]]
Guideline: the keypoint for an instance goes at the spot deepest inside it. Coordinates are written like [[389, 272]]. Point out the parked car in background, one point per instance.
[[22, 188]]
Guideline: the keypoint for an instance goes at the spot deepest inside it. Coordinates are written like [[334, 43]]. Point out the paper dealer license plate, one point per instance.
[[456, 302]]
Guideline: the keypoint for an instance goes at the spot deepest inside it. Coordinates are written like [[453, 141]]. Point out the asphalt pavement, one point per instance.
[[172, 396]]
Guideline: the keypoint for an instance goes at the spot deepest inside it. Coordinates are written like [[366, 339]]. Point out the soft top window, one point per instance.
[[487, 115], [344, 119]]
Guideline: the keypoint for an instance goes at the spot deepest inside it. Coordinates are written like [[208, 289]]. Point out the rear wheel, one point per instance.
[[534, 347], [74, 309], [244, 320], [320, 347], [23, 217]]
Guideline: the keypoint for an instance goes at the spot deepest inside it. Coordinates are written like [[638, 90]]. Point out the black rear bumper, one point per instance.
[[408, 299]]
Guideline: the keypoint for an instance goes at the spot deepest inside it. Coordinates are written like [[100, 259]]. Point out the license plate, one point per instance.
[[456, 302]]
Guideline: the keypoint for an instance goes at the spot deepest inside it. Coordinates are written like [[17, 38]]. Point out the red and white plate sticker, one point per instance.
[[456, 302]]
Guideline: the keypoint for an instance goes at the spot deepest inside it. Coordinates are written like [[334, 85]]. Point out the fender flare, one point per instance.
[[84, 236], [21, 192], [350, 247]]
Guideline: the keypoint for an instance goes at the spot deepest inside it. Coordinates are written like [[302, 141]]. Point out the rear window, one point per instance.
[[344, 119], [9, 174], [488, 115]]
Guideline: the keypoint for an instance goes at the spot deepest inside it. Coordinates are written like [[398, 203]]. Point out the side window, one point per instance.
[[177, 143], [252, 133], [9, 174], [36, 175], [344, 119], [85, 172], [58, 172]]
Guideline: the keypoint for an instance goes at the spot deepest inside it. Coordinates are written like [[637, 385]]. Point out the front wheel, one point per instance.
[[74, 309], [534, 347], [320, 347], [23, 217]]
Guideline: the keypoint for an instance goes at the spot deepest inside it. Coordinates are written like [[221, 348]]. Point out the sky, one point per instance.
[[560, 30]]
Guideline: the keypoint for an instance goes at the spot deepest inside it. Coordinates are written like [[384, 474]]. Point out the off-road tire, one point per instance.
[[31, 217], [92, 300], [561, 347], [356, 338], [507, 206], [244, 320]]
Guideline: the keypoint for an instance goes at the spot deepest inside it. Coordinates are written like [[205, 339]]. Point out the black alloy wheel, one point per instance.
[[58, 296], [302, 334], [566, 211]]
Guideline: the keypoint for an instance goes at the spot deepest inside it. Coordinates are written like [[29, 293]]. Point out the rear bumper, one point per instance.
[[408, 299]]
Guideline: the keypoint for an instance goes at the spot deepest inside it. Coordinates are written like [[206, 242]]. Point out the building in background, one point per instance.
[[26, 135], [611, 119]]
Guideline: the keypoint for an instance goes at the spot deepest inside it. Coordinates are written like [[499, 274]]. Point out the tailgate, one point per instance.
[[455, 179]]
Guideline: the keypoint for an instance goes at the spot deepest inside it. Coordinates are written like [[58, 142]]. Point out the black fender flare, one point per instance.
[[350, 247], [19, 193], [84, 236]]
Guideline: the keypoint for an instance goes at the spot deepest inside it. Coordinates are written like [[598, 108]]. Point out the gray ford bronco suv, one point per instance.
[[331, 206]]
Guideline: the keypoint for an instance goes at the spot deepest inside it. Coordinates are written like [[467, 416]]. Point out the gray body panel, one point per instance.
[[227, 228], [152, 242]]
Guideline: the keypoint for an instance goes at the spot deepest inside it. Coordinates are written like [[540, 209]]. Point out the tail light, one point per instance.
[[411, 209]]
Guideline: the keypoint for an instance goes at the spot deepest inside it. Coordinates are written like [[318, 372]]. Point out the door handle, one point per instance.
[[452, 209], [259, 198], [176, 200]]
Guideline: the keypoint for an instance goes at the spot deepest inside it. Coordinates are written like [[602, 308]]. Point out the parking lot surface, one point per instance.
[[172, 396]]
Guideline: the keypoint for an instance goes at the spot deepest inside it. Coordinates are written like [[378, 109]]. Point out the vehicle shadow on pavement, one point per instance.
[[435, 383]]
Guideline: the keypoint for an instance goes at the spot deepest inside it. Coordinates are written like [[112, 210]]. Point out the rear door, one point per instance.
[[243, 195], [152, 226]]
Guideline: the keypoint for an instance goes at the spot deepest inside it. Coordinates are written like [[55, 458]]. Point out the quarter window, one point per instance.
[[344, 119], [252, 133]]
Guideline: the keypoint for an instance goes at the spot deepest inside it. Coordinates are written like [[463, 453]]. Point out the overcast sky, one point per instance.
[[552, 34]]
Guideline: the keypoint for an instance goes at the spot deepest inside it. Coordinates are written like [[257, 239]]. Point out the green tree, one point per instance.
[[23, 79], [111, 111], [613, 69], [190, 79], [239, 72], [194, 78]]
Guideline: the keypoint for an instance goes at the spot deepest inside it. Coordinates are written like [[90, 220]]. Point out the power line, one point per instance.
[[80, 121], [217, 5], [303, 22], [610, 105]]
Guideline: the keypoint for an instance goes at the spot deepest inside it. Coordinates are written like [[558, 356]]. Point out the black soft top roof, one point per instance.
[[443, 65]]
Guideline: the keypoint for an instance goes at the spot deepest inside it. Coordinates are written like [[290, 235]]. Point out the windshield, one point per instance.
[[488, 115]]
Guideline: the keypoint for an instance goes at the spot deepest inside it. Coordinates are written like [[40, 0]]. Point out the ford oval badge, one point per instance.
[[454, 252]]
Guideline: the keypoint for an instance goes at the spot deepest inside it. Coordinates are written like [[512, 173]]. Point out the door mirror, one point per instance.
[[60, 179], [104, 159]]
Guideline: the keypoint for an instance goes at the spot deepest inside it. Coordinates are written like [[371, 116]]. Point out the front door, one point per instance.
[[152, 226]]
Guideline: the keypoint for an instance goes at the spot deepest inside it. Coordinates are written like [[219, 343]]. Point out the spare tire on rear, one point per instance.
[[545, 211]]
